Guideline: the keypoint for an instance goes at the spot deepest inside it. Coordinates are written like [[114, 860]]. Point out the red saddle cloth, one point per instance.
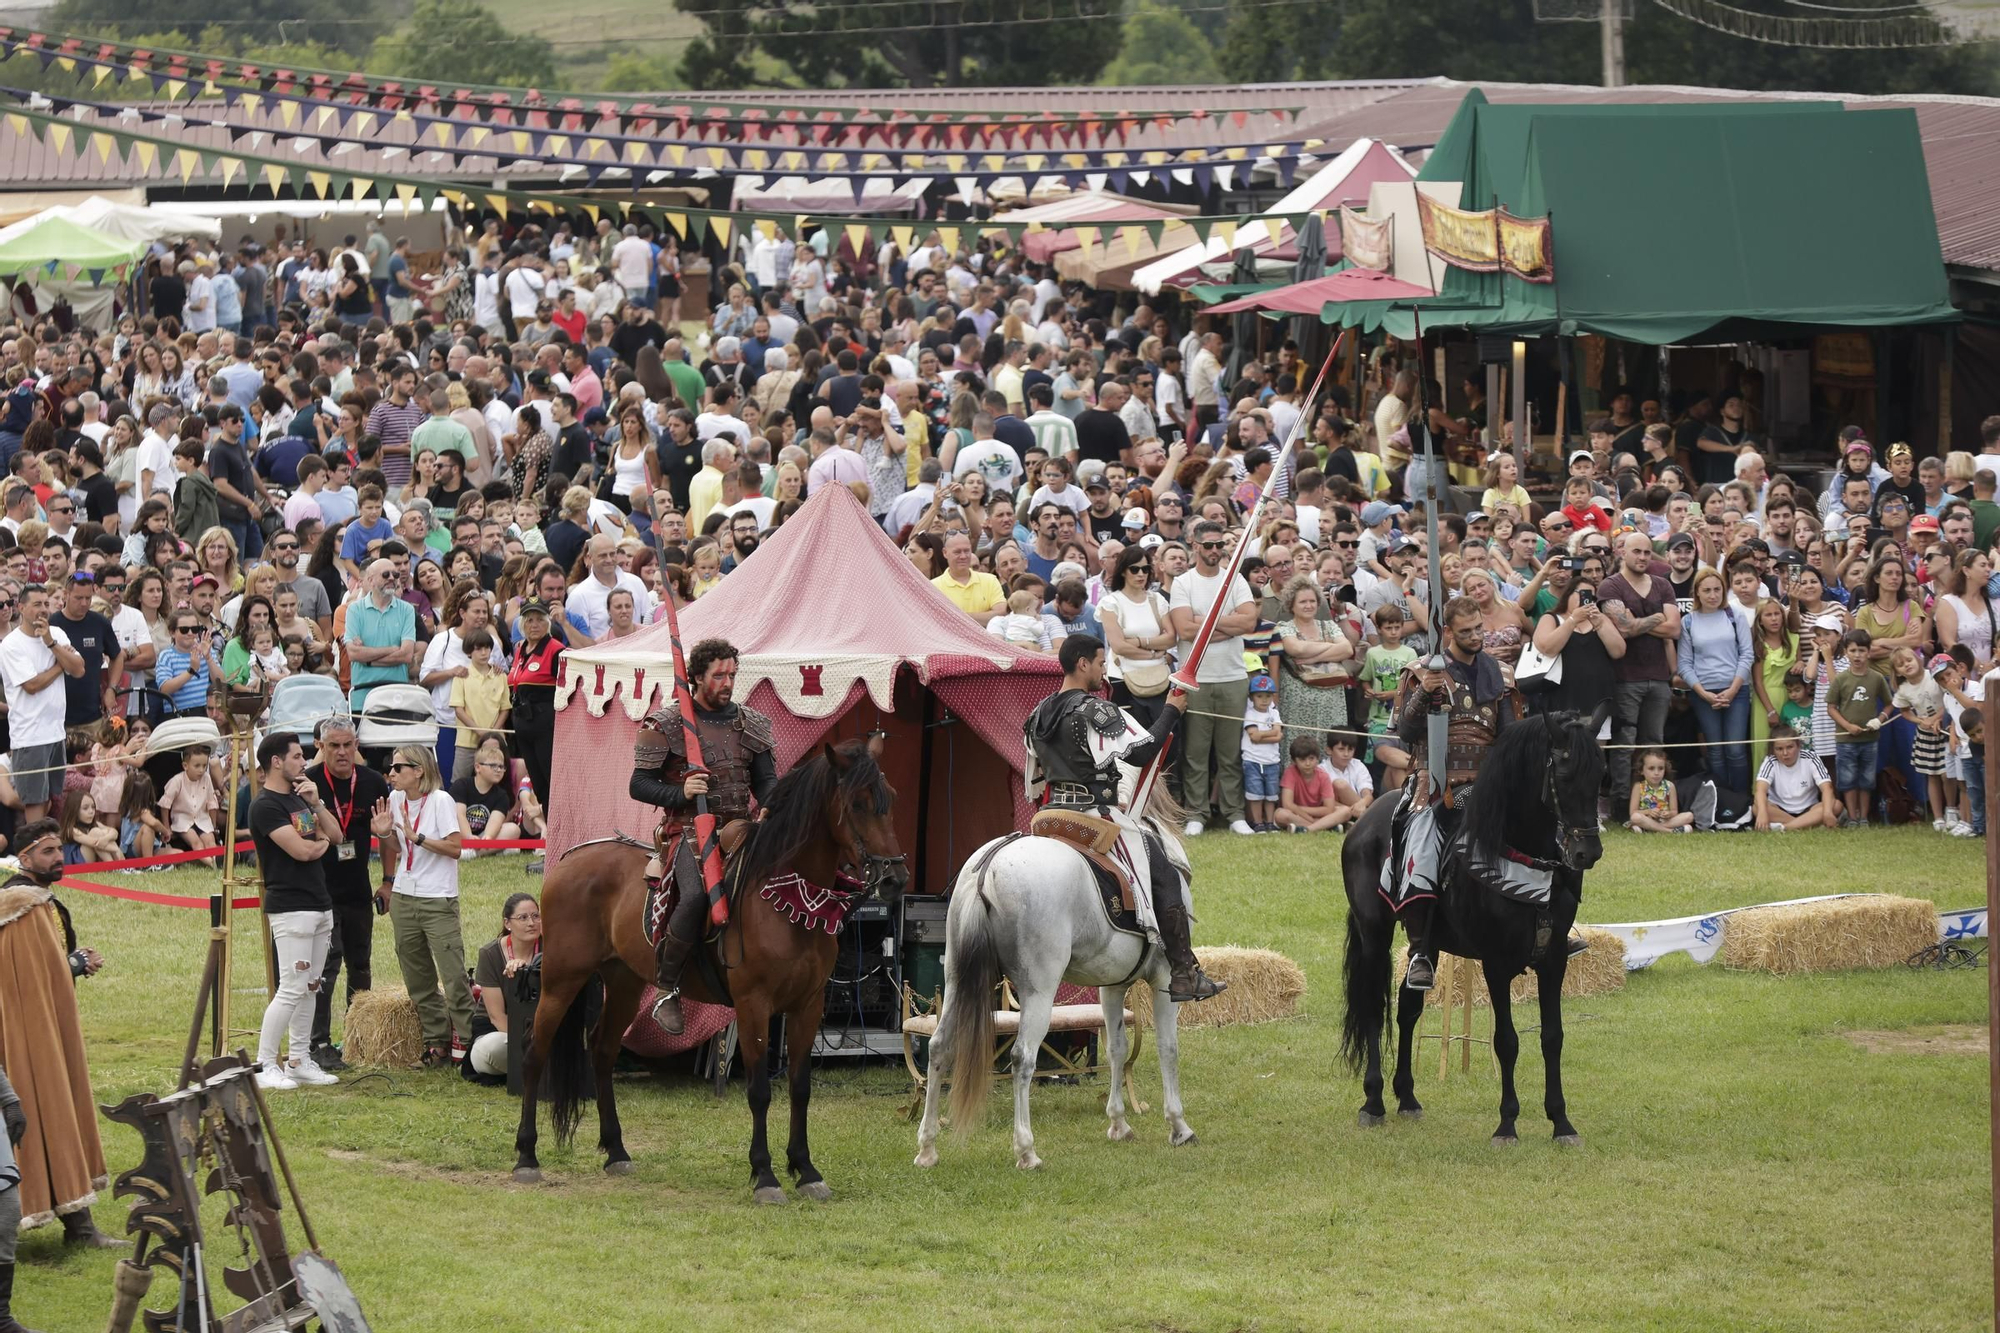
[[810, 906]]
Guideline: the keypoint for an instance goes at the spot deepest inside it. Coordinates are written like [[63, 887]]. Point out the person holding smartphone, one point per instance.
[[349, 789]]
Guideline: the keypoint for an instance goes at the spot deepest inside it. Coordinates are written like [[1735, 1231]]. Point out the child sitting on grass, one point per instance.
[[1306, 802], [83, 838], [140, 830], [190, 802], [1655, 804]]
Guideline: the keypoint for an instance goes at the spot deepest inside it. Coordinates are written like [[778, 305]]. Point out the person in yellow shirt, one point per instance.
[[972, 591], [718, 456], [916, 429], [479, 698]]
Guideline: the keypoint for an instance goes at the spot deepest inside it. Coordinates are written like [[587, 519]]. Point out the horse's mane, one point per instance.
[[1505, 807], [793, 814]]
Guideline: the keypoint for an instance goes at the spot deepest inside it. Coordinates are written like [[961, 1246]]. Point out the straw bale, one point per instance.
[[1839, 934], [1598, 970], [1263, 986], [381, 1028]]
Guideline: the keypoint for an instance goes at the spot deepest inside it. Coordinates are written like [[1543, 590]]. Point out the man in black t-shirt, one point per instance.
[[88, 696], [350, 790], [289, 825], [1100, 432], [100, 496]]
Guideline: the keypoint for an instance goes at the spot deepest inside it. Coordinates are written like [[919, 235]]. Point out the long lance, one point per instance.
[[708, 848], [1184, 679], [1437, 724]]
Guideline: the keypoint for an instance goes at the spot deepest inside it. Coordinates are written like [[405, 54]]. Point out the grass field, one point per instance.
[[1745, 1167], [587, 34]]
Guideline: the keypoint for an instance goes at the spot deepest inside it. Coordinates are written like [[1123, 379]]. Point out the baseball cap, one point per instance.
[[1830, 620], [1679, 539], [200, 579], [1095, 482], [1584, 454], [1924, 523], [1262, 684], [1940, 663], [1152, 541], [594, 415], [534, 606], [1135, 518], [1376, 510], [1792, 558]]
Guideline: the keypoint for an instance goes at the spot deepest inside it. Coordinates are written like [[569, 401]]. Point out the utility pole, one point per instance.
[[1613, 34]]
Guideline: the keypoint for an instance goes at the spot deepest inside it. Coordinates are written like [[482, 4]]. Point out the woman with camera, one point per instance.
[[1583, 643]]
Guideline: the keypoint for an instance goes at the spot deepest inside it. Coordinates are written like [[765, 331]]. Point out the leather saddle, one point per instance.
[[1094, 837], [671, 847]]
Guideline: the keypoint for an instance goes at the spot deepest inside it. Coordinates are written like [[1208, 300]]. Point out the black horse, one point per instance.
[[1537, 796]]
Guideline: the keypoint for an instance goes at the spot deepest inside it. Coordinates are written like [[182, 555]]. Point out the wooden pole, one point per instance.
[[1989, 713]]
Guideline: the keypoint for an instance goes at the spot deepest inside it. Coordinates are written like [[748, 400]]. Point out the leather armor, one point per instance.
[[729, 746], [1059, 730]]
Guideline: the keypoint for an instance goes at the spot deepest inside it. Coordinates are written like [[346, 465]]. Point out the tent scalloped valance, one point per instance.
[[811, 686]]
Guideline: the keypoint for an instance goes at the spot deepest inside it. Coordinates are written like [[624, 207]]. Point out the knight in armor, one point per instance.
[[737, 768], [1076, 742], [1472, 694]]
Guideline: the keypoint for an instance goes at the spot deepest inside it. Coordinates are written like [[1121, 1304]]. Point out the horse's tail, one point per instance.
[[569, 1064], [966, 1035], [1365, 973]]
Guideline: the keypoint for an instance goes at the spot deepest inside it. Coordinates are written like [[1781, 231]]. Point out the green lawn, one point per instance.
[[1746, 1167]]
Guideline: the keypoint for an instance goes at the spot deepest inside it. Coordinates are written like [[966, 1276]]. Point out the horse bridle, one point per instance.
[[873, 864], [1550, 801]]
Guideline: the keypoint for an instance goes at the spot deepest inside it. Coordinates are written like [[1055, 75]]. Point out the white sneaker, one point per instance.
[[1241, 826], [1776, 827], [1192, 830], [1962, 830], [272, 1078], [1938, 824], [308, 1071]]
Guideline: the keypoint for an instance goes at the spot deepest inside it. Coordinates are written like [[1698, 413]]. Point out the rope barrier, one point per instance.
[[209, 853]]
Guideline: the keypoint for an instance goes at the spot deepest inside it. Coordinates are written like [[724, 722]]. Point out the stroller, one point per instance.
[[395, 715], [299, 704]]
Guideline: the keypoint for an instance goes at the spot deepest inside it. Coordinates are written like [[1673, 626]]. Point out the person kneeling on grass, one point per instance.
[[1793, 789], [1655, 804], [495, 987]]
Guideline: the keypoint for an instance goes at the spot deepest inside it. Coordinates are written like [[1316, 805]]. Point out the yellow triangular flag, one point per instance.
[[498, 203], [187, 160], [322, 116], [102, 73], [274, 176], [635, 151], [905, 238], [289, 113], [769, 228], [230, 166], [678, 221], [18, 124], [361, 189], [556, 145], [68, 65], [175, 87], [1086, 235], [60, 136], [102, 145], [949, 235], [591, 211], [478, 134], [857, 237], [406, 193], [362, 125], [955, 162], [1131, 236], [1227, 231], [520, 140], [677, 153], [147, 155], [717, 158], [719, 224], [321, 182]]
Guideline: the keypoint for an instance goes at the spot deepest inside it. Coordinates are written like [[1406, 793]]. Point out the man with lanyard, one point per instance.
[[349, 789], [61, 1160], [1473, 695], [1076, 741], [532, 676], [737, 767]]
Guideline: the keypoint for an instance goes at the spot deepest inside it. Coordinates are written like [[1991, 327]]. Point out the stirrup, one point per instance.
[[1577, 943], [670, 1001], [1420, 974], [1196, 987]]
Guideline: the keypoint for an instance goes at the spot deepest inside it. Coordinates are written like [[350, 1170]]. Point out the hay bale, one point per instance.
[[1840, 934], [381, 1028], [1598, 970], [1263, 986]]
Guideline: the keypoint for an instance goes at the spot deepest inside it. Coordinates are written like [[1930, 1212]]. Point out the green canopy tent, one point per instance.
[[66, 251], [1758, 219]]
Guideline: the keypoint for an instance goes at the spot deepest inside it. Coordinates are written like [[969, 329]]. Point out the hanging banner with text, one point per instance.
[[1527, 247]]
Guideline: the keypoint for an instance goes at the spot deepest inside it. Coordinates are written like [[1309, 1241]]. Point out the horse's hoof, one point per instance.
[[1411, 1112], [927, 1156], [1118, 1132], [1506, 1140], [527, 1175], [622, 1167], [1569, 1140], [1028, 1162], [770, 1194], [1369, 1120], [1182, 1138], [817, 1190]]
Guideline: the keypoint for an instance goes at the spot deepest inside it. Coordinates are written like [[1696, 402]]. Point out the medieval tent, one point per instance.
[[838, 634]]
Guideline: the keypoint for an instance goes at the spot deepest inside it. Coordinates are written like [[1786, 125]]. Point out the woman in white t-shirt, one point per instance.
[[1138, 638], [422, 831]]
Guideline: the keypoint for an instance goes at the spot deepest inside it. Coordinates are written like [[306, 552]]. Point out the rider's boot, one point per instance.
[[1187, 983], [682, 934], [1422, 971], [1577, 943]]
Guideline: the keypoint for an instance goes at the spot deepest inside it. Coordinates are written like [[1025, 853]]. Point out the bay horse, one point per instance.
[[828, 819], [1029, 908], [1536, 795]]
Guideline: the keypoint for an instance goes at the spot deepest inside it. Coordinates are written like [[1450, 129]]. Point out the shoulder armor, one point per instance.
[[1102, 716], [756, 729]]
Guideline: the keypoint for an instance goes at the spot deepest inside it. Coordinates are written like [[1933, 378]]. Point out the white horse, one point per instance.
[[1032, 913]]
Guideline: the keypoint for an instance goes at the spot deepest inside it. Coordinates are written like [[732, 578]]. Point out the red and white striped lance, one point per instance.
[[1184, 679]]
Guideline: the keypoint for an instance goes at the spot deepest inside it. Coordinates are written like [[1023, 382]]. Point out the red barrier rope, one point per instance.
[[181, 900]]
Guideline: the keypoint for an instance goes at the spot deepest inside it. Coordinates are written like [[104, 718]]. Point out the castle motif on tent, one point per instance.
[[809, 680]]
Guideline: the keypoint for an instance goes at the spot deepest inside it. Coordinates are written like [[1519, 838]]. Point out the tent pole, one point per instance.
[[925, 724]]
